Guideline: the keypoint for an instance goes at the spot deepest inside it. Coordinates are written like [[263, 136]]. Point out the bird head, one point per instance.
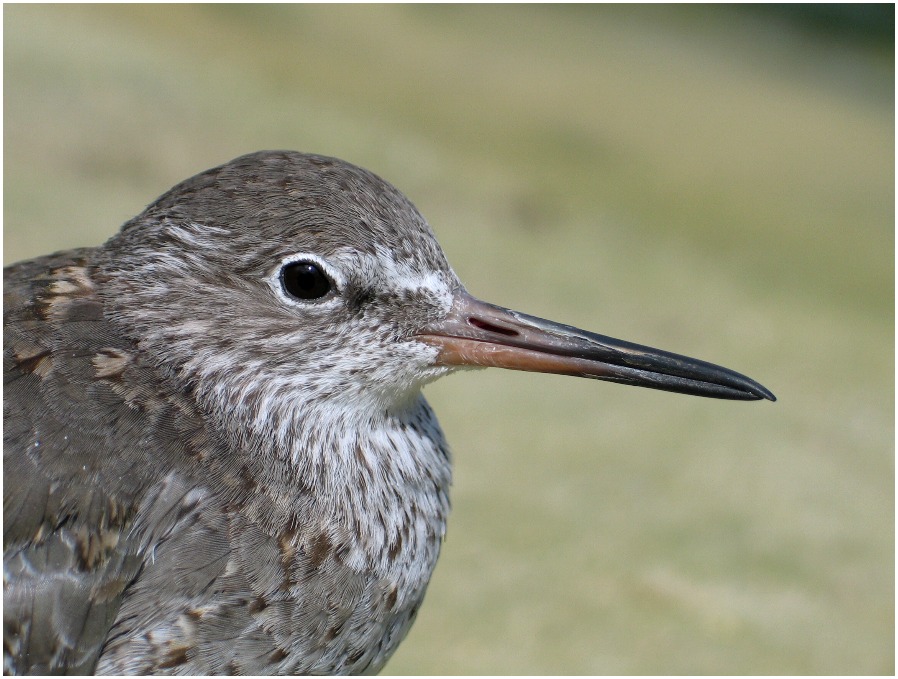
[[282, 270]]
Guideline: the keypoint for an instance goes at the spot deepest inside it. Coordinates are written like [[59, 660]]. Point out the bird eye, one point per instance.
[[305, 280]]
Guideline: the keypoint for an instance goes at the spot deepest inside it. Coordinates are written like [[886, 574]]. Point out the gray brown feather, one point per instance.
[[154, 522]]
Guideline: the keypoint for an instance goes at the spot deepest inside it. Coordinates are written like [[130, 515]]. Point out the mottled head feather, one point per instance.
[[197, 276], [306, 201]]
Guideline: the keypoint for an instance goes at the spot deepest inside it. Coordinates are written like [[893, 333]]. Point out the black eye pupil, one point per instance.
[[304, 280]]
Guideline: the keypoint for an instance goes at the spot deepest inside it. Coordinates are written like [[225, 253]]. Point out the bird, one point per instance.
[[217, 456]]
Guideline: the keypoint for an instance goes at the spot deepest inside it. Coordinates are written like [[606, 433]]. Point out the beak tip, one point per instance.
[[760, 393]]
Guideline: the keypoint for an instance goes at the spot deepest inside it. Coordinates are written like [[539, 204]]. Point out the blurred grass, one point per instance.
[[705, 179]]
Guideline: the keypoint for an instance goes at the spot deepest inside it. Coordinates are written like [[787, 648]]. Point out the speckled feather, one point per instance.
[[203, 476]]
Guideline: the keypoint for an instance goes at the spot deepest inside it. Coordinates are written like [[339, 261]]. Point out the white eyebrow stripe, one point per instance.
[[401, 275]]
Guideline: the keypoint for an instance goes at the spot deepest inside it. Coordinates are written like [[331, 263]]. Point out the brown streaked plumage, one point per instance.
[[217, 458]]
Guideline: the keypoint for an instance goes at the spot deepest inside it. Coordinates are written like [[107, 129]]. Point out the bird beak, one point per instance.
[[476, 333]]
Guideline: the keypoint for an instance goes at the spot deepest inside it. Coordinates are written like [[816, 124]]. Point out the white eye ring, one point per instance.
[[276, 280]]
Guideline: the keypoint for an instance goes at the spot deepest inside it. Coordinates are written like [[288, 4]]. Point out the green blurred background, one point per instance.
[[717, 181]]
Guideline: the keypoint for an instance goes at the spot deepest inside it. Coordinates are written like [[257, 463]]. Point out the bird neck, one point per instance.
[[375, 480]]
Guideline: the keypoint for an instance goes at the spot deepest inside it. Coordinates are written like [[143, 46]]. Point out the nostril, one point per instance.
[[489, 327]]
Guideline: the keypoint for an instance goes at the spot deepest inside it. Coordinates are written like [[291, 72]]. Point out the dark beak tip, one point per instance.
[[755, 391]]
